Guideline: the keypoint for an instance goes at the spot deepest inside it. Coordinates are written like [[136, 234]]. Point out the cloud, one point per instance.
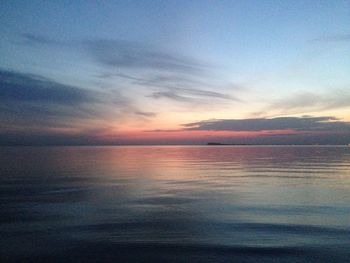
[[128, 54], [28, 100], [145, 114], [334, 38], [19, 87], [170, 81], [190, 95], [176, 87], [205, 93], [170, 95], [306, 123], [301, 102], [122, 54], [177, 77], [282, 130]]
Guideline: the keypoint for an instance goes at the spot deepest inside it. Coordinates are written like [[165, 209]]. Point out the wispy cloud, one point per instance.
[[145, 114], [205, 93], [306, 123], [308, 101], [123, 54], [170, 95], [167, 75], [176, 87], [127, 54], [171, 81], [190, 95]]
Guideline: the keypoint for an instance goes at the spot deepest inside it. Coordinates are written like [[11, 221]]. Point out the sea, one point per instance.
[[175, 204]]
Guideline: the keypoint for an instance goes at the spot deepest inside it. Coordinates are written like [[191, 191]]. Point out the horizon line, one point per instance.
[[182, 144]]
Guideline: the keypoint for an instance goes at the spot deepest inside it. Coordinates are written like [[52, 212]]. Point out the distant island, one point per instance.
[[219, 143]]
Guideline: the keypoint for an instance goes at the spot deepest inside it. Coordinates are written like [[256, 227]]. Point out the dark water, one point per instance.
[[175, 204]]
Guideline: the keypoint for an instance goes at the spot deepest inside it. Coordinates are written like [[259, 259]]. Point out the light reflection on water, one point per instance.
[[175, 203]]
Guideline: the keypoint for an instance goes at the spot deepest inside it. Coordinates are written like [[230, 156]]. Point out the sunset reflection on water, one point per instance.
[[200, 202]]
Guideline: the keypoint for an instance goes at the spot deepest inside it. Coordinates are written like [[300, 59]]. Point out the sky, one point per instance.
[[174, 72]]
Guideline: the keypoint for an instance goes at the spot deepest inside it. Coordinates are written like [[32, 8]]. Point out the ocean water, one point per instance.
[[175, 204]]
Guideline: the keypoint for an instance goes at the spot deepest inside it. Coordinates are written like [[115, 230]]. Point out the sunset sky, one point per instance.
[[174, 72]]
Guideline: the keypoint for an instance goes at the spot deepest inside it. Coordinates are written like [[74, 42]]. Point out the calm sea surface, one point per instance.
[[175, 204]]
